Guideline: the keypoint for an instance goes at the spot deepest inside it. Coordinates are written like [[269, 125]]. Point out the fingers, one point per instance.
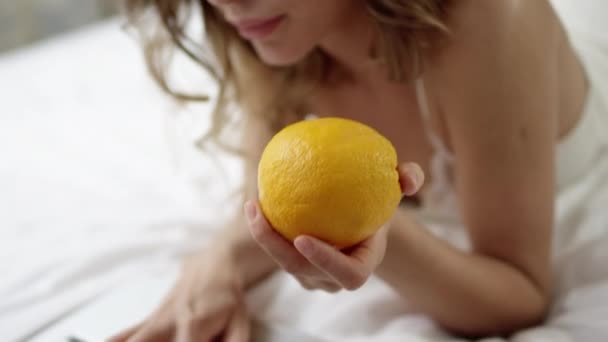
[[238, 328], [273, 243], [310, 257], [370, 252], [150, 333], [193, 329], [126, 334], [146, 331], [349, 272], [411, 178], [284, 253]]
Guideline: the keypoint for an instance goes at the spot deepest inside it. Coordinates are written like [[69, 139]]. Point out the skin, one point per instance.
[[501, 97]]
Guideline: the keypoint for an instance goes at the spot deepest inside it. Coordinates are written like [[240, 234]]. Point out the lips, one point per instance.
[[257, 28]]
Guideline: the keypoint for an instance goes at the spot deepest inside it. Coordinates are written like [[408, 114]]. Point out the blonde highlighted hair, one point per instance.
[[403, 31]]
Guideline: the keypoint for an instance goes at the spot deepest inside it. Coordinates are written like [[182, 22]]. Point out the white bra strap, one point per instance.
[[423, 101], [425, 111]]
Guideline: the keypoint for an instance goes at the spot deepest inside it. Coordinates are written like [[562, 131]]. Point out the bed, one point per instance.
[[101, 193]]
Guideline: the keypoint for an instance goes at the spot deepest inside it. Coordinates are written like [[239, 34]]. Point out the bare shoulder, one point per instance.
[[474, 20], [498, 43], [496, 30]]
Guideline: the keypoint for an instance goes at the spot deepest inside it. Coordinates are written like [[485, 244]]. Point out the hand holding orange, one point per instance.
[[331, 178]]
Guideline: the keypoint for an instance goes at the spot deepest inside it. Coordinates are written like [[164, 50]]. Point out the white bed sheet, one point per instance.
[[93, 184], [98, 189]]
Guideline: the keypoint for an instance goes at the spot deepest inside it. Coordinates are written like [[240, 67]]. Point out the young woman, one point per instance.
[[487, 99]]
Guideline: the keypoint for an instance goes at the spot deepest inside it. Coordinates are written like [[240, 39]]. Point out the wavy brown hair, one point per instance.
[[403, 28]]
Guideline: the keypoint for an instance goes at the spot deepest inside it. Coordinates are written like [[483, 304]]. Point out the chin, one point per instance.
[[280, 57]]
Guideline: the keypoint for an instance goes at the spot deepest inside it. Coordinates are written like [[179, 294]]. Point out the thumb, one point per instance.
[[411, 178]]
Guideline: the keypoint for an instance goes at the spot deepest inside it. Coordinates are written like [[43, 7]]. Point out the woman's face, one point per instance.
[[285, 31]]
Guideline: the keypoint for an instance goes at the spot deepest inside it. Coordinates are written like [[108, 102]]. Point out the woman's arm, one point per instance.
[[496, 88], [467, 293], [251, 261], [208, 298]]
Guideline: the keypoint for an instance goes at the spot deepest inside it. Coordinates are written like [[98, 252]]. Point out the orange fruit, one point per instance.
[[331, 178]]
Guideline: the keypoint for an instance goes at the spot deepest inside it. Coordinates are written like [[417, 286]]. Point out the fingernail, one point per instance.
[[250, 211], [415, 178], [419, 177]]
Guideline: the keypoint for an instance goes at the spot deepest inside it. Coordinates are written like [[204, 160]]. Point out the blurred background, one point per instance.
[[25, 21]]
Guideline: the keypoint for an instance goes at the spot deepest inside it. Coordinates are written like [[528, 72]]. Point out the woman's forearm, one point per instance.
[[464, 292], [251, 261]]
